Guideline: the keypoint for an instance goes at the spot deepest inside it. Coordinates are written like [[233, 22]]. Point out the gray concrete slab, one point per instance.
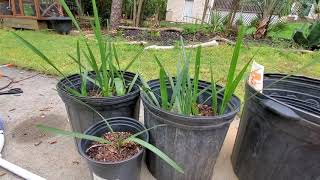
[[52, 156]]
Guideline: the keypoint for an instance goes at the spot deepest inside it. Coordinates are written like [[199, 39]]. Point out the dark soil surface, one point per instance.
[[205, 110], [95, 93], [165, 38], [111, 152]]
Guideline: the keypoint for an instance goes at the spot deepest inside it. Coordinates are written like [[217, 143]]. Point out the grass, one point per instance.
[[57, 46], [287, 32]]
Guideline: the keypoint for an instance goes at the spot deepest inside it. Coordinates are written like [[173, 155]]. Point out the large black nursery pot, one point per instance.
[[194, 142], [124, 170], [62, 25], [82, 117], [279, 132]]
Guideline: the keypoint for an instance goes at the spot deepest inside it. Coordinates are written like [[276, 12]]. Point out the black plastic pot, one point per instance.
[[193, 142], [62, 25], [279, 132], [82, 117], [125, 170]]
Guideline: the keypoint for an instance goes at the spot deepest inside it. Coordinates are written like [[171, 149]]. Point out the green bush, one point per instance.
[[309, 39], [217, 21], [239, 21], [190, 29], [254, 22]]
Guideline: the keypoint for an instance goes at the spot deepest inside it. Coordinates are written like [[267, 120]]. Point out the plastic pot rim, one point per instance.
[[228, 115], [61, 88], [83, 154], [259, 95]]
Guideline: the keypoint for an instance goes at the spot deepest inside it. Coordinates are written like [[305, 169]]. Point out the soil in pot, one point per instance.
[[205, 110], [112, 152]]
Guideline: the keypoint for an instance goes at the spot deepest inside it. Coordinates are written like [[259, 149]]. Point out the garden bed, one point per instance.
[[164, 38], [169, 38]]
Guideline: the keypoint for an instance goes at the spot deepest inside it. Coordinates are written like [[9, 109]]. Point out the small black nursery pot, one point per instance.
[[128, 169]]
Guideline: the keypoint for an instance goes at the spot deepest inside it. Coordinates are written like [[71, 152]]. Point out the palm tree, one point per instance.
[[267, 8], [116, 10]]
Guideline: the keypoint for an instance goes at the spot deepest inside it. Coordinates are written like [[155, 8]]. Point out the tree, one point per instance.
[[234, 8], [160, 4], [116, 12], [205, 10], [267, 8], [137, 12]]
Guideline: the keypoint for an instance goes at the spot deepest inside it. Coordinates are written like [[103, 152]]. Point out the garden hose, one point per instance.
[[9, 83], [12, 167]]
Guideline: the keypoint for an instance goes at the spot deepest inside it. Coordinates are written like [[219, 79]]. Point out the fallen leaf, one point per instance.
[[53, 142], [75, 162], [38, 143], [46, 109]]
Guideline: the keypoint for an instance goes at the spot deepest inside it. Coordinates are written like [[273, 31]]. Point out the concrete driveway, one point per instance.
[[51, 156]]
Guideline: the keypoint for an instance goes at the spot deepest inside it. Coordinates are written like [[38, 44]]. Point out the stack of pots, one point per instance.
[[121, 112], [279, 132]]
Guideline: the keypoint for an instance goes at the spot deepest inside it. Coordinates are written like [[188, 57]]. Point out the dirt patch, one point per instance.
[[205, 110], [113, 152], [165, 38], [27, 132]]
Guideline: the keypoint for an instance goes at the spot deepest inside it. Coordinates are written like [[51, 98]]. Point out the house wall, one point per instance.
[[176, 10]]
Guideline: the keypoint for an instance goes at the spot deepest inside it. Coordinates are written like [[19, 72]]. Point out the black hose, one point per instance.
[[7, 85]]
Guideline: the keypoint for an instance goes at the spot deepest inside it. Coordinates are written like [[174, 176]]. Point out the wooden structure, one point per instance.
[[28, 14]]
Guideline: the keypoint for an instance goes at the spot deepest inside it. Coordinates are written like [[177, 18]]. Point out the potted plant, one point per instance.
[[198, 115], [101, 83], [113, 148]]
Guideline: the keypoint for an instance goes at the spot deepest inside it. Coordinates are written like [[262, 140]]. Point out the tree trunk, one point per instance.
[[205, 9], [139, 13], [134, 15], [116, 10], [157, 17], [234, 7], [262, 28], [267, 11]]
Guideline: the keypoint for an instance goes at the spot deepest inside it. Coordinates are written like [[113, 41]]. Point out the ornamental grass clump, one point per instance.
[[185, 89], [103, 71]]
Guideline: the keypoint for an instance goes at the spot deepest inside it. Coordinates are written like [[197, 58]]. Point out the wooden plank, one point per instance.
[[13, 7], [19, 16], [21, 7], [37, 7], [24, 23]]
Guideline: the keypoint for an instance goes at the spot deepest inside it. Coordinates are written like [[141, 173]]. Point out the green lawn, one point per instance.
[[57, 46], [287, 32]]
